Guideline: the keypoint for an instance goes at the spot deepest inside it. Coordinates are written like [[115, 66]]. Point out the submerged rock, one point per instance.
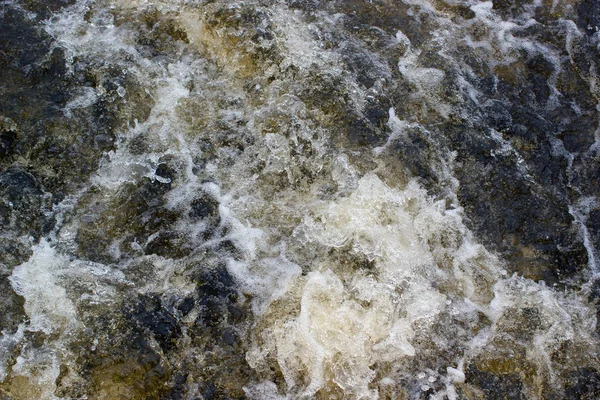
[[151, 317], [12, 312], [589, 16], [25, 208], [583, 384], [492, 386]]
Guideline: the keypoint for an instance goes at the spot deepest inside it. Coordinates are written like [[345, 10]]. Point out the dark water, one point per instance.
[[299, 199]]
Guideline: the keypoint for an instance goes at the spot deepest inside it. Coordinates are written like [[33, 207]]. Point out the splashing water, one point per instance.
[[301, 199]]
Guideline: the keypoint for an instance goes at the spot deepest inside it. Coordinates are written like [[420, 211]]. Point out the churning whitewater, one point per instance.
[[268, 199]]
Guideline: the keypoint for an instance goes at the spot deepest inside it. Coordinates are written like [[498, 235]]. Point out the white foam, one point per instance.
[[265, 390], [46, 302], [86, 98], [580, 212], [334, 333], [8, 342], [455, 375], [266, 279]]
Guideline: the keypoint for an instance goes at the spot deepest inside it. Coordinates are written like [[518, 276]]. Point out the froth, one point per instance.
[[360, 283], [46, 301]]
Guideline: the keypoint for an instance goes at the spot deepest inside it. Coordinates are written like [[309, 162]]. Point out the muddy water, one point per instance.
[[299, 199]]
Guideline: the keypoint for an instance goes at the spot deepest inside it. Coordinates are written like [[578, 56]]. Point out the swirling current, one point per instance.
[[301, 199]]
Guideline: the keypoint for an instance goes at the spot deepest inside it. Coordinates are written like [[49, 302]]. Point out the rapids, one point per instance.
[[302, 199]]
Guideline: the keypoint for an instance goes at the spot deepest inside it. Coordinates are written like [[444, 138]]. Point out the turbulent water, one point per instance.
[[303, 199]]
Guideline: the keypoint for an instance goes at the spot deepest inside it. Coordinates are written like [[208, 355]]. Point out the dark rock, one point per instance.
[[136, 214], [236, 315], [186, 305], [540, 65], [371, 36], [362, 133], [44, 8], [17, 184], [167, 243], [465, 12], [539, 70], [509, 212], [150, 316], [366, 67], [13, 251], [8, 139], [39, 80], [510, 8], [129, 364], [417, 151], [377, 111], [586, 168], [578, 135], [506, 208], [160, 33], [589, 16], [229, 337], [12, 311], [179, 387], [205, 207], [216, 291], [304, 5], [593, 226], [498, 115], [495, 387], [22, 204], [325, 93], [583, 384], [594, 298], [375, 14], [519, 213], [209, 391], [215, 331], [22, 44]]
